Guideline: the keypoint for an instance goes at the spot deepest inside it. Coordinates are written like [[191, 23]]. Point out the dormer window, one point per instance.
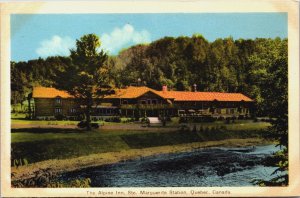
[[58, 100]]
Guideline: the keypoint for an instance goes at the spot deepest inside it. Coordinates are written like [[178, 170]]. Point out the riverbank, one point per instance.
[[60, 166]]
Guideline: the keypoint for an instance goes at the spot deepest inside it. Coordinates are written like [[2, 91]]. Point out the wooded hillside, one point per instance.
[[255, 68]]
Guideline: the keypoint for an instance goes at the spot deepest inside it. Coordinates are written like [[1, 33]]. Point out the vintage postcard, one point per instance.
[[150, 99]]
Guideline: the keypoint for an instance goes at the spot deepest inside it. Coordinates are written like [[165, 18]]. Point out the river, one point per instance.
[[218, 166]]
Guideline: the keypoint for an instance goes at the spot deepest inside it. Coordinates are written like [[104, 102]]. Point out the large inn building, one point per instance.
[[143, 101]]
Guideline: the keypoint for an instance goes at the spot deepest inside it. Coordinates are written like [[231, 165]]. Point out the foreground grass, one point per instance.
[[37, 144]]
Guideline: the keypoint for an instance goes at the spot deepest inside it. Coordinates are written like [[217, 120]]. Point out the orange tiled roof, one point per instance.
[[49, 92], [204, 96], [134, 92], [130, 92]]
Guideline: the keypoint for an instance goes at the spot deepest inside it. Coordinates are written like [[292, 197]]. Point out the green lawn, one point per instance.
[[38, 144], [237, 125], [23, 121], [43, 122]]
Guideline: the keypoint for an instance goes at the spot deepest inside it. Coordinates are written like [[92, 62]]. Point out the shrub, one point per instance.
[[59, 117], [113, 119], [197, 119], [194, 128], [19, 162], [83, 124], [206, 129], [136, 116], [221, 118], [223, 128], [184, 127], [213, 129], [46, 178], [168, 119], [182, 120], [77, 183], [95, 125], [227, 121], [201, 129], [144, 119], [116, 119]]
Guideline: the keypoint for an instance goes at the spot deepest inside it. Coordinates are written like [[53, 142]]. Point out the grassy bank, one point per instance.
[[182, 137], [42, 144]]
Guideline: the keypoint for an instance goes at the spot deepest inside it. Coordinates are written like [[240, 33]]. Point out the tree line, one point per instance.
[[247, 66]]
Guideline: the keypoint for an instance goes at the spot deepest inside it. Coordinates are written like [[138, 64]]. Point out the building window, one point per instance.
[[58, 110], [154, 101], [125, 102], [227, 111], [58, 100], [143, 101], [72, 110], [232, 111], [149, 101]]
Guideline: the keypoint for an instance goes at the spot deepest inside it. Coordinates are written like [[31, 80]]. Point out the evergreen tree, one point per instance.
[[87, 77]]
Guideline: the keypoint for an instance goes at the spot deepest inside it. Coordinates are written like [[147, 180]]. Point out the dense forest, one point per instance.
[[255, 67]]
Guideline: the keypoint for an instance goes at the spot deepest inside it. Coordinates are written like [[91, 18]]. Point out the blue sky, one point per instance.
[[42, 35]]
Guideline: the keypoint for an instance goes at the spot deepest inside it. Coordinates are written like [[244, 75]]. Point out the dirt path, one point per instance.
[[93, 160]]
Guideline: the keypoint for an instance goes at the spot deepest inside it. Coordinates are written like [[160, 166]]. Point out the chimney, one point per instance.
[[164, 88], [194, 88], [139, 82]]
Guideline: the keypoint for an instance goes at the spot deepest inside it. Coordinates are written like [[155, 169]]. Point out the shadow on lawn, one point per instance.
[[47, 130]]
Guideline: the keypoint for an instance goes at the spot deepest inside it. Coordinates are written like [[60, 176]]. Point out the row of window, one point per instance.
[[105, 111], [59, 110], [219, 111], [148, 101], [155, 101], [204, 104], [230, 111], [99, 111]]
